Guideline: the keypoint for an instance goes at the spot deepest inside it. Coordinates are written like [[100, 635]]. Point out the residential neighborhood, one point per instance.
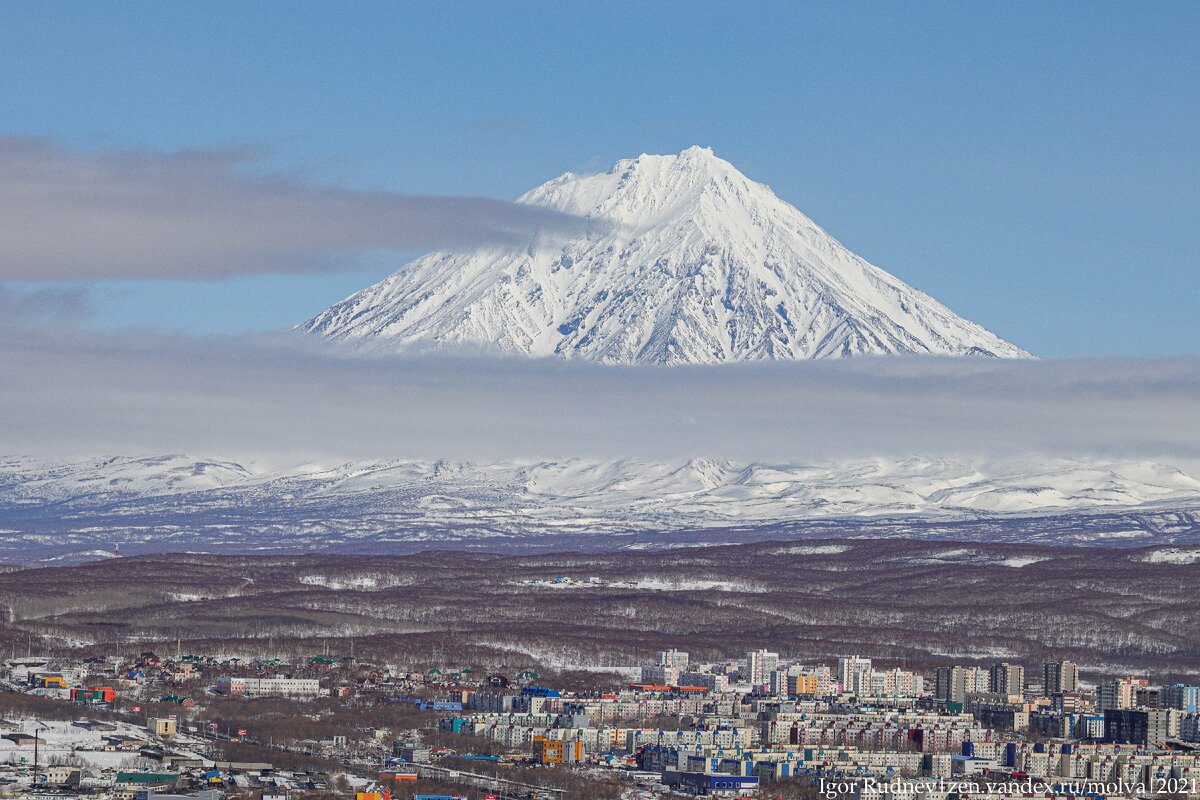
[[151, 726]]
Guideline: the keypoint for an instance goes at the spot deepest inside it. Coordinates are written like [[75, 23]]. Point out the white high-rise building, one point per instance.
[[894, 683], [954, 684], [658, 675], [1119, 694], [759, 666], [849, 667], [677, 659]]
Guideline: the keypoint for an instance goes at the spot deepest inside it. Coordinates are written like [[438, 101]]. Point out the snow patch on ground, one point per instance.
[[62, 739], [812, 550], [1169, 555], [361, 582], [1022, 561], [690, 585]]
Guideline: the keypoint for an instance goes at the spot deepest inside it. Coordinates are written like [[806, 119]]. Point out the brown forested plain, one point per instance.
[[911, 602]]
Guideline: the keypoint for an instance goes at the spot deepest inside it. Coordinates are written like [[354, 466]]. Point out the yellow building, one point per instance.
[[550, 751]]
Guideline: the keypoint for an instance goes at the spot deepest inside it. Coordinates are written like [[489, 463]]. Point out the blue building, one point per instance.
[[709, 784], [443, 705], [1182, 697]]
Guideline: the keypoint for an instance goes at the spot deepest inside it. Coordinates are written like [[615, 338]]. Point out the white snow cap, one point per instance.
[[699, 265]]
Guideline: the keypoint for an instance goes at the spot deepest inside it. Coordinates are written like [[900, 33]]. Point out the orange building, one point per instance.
[[550, 751], [804, 684]]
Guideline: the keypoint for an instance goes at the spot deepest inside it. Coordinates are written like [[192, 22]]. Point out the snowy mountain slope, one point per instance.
[[689, 262], [78, 510], [38, 482], [692, 492]]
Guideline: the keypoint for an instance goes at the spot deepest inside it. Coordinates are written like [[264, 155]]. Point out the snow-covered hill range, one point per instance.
[[689, 262], [172, 502]]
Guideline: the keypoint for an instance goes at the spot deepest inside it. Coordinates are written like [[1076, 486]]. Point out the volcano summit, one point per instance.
[[690, 262]]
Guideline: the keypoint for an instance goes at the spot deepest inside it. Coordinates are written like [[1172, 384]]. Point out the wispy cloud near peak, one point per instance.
[[75, 215]]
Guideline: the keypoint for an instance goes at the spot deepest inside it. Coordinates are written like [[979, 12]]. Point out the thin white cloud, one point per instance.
[[70, 215]]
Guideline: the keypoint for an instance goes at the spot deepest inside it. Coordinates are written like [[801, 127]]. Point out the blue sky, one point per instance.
[[1033, 166]]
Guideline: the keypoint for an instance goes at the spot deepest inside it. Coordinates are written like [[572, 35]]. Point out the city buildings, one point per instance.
[[846, 719], [1181, 697], [1008, 679], [954, 684], [849, 667], [269, 687], [1119, 694], [759, 666], [1059, 677]]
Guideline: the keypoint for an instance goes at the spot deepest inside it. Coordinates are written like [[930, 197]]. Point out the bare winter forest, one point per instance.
[[911, 602]]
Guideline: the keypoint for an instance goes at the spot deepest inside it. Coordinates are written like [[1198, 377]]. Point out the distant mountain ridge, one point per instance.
[[719, 490], [691, 262], [169, 503]]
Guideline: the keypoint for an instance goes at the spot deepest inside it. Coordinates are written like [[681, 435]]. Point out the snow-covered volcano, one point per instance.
[[690, 261]]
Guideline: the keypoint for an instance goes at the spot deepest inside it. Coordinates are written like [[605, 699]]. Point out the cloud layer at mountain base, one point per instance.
[[283, 399]]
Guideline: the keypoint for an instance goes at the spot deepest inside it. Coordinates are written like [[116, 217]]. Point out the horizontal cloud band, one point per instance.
[[71, 393], [71, 215]]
